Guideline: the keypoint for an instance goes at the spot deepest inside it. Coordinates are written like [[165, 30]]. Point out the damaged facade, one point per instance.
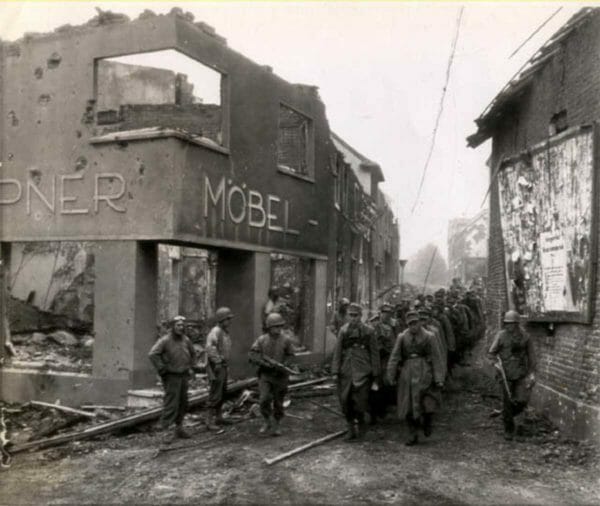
[[177, 176], [467, 247], [543, 247]]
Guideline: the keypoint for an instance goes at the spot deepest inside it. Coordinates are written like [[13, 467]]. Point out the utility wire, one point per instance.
[[440, 109], [536, 31]]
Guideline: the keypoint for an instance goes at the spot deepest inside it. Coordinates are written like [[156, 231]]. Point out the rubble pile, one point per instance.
[[59, 351]]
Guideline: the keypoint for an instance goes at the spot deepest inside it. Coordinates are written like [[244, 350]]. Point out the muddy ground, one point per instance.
[[465, 461]]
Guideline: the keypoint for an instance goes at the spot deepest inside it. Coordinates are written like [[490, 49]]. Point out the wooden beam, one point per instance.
[[302, 448], [121, 423], [65, 409]]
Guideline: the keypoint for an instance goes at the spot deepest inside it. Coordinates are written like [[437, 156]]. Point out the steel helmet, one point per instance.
[[512, 316], [274, 320], [223, 313]]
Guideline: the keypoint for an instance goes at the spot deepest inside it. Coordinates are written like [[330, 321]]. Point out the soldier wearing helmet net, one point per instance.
[[218, 352], [270, 352], [513, 354]]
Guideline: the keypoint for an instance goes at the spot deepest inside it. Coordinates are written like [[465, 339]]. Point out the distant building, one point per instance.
[[543, 247], [467, 247]]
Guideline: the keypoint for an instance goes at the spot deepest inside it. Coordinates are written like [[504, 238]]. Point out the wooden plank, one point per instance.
[[121, 423], [304, 447], [65, 409], [101, 406], [296, 386]]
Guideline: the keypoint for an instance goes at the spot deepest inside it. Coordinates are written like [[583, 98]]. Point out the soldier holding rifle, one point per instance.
[[513, 354], [269, 353]]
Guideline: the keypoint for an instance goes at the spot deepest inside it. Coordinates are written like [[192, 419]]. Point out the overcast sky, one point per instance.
[[380, 69]]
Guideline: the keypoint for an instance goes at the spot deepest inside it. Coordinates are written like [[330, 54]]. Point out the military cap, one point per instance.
[[386, 308], [354, 308], [424, 314], [412, 316], [178, 318]]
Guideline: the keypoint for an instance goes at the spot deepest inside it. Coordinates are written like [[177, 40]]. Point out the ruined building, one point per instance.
[[148, 169], [467, 248], [543, 247]]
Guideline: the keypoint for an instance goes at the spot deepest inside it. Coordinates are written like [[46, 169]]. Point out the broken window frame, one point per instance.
[[309, 155], [145, 133]]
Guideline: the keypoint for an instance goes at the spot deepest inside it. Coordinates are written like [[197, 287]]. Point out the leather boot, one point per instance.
[[275, 429], [351, 434], [362, 429], [181, 433], [427, 424], [266, 426], [210, 420]]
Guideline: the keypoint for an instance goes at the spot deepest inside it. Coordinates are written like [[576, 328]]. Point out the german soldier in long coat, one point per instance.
[[384, 333], [355, 366], [421, 377], [513, 353]]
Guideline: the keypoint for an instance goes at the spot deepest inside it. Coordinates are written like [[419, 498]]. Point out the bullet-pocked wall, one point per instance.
[[69, 173], [562, 93]]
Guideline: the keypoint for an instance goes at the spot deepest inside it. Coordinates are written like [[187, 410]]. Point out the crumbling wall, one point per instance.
[[569, 353]]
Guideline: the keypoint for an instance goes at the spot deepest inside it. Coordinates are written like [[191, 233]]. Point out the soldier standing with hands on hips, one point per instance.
[[173, 356]]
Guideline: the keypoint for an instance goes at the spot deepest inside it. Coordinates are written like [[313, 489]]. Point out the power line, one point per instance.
[[536, 31], [440, 109]]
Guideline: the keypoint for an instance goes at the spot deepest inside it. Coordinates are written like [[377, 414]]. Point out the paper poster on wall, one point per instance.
[[555, 279], [547, 211]]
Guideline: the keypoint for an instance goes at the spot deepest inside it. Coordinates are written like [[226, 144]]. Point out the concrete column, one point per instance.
[[125, 299], [243, 280], [319, 305]]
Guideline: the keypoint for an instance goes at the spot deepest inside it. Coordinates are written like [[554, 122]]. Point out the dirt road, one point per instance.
[[465, 461]]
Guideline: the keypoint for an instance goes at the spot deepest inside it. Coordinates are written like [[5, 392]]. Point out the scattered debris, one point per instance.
[[5, 457], [304, 447]]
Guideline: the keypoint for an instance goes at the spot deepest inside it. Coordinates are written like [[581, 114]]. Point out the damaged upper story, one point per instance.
[[156, 129]]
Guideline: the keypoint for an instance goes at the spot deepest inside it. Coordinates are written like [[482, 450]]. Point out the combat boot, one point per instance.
[[181, 433], [275, 429], [362, 429], [351, 434], [266, 426], [210, 421]]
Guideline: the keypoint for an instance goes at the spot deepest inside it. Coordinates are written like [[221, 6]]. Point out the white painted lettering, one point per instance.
[[64, 199], [270, 216], [108, 198], [255, 203], [242, 214], [215, 199], [18, 193], [49, 204]]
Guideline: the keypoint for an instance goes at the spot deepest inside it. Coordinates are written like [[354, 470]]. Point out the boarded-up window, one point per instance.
[[294, 142], [546, 205]]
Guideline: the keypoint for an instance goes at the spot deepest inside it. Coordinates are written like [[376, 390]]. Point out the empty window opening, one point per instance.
[[295, 142], [164, 89]]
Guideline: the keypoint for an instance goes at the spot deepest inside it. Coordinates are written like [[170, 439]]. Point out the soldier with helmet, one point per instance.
[[381, 398], [173, 356], [218, 352], [356, 366], [513, 354], [340, 317], [270, 353]]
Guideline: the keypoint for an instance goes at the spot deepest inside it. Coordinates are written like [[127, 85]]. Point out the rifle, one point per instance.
[[498, 365], [270, 363]]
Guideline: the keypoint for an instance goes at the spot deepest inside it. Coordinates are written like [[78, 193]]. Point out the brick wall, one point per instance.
[[568, 373], [197, 119]]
